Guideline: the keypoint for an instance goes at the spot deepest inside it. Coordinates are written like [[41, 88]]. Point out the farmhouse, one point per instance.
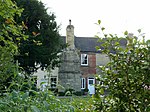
[[79, 64]]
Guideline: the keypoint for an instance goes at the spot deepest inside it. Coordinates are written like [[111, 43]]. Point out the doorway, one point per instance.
[[91, 85]]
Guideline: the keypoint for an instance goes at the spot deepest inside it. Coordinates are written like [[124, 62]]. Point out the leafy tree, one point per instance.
[[126, 76], [10, 34], [43, 45]]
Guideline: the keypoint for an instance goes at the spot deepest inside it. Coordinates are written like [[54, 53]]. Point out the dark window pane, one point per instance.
[[90, 81]]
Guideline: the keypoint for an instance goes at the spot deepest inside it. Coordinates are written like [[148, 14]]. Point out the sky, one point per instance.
[[116, 16]]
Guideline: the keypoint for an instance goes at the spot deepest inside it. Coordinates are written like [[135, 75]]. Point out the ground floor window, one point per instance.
[[49, 82], [53, 81], [82, 83]]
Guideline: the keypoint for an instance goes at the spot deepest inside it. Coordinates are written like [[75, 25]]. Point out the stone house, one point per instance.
[[79, 63]]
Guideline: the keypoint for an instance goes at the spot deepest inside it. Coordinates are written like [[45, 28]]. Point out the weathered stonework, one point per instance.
[[69, 71], [70, 36]]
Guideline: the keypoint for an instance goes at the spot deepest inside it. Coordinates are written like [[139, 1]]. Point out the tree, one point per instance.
[[9, 31], [126, 76], [43, 45]]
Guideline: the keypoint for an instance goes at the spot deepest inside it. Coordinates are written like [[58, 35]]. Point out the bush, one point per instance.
[[61, 93], [69, 92], [78, 93], [18, 101], [126, 76]]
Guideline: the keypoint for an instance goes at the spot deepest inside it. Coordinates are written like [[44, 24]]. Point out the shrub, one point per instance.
[[125, 76], [18, 101]]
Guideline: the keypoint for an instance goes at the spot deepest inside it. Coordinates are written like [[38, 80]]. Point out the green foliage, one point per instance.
[[19, 94], [80, 104], [99, 22], [126, 33], [41, 102], [126, 76], [10, 34], [43, 45], [17, 101]]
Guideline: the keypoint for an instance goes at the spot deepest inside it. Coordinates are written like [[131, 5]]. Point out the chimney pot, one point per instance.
[[69, 21]]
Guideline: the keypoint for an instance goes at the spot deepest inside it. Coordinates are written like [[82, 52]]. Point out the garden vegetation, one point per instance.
[[126, 78]]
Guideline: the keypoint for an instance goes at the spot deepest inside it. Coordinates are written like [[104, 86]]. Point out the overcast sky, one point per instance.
[[116, 15]]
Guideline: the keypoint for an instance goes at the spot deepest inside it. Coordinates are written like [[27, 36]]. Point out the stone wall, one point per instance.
[[70, 36], [69, 71], [101, 60]]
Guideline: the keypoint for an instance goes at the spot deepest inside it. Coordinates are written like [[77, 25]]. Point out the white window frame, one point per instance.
[[83, 83], [83, 58]]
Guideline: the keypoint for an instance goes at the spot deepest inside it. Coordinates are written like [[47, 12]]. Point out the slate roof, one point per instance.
[[88, 44]]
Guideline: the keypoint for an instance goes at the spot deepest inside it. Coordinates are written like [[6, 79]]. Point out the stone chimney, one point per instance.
[[69, 71], [70, 36]]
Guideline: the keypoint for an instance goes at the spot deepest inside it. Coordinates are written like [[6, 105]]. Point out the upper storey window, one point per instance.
[[84, 59]]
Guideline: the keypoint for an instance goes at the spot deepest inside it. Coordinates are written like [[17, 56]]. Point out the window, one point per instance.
[[84, 59], [90, 81], [53, 82], [46, 82], [82, 83]]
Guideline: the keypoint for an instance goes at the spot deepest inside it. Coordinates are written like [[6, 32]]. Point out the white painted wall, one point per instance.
[[41, 74]]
